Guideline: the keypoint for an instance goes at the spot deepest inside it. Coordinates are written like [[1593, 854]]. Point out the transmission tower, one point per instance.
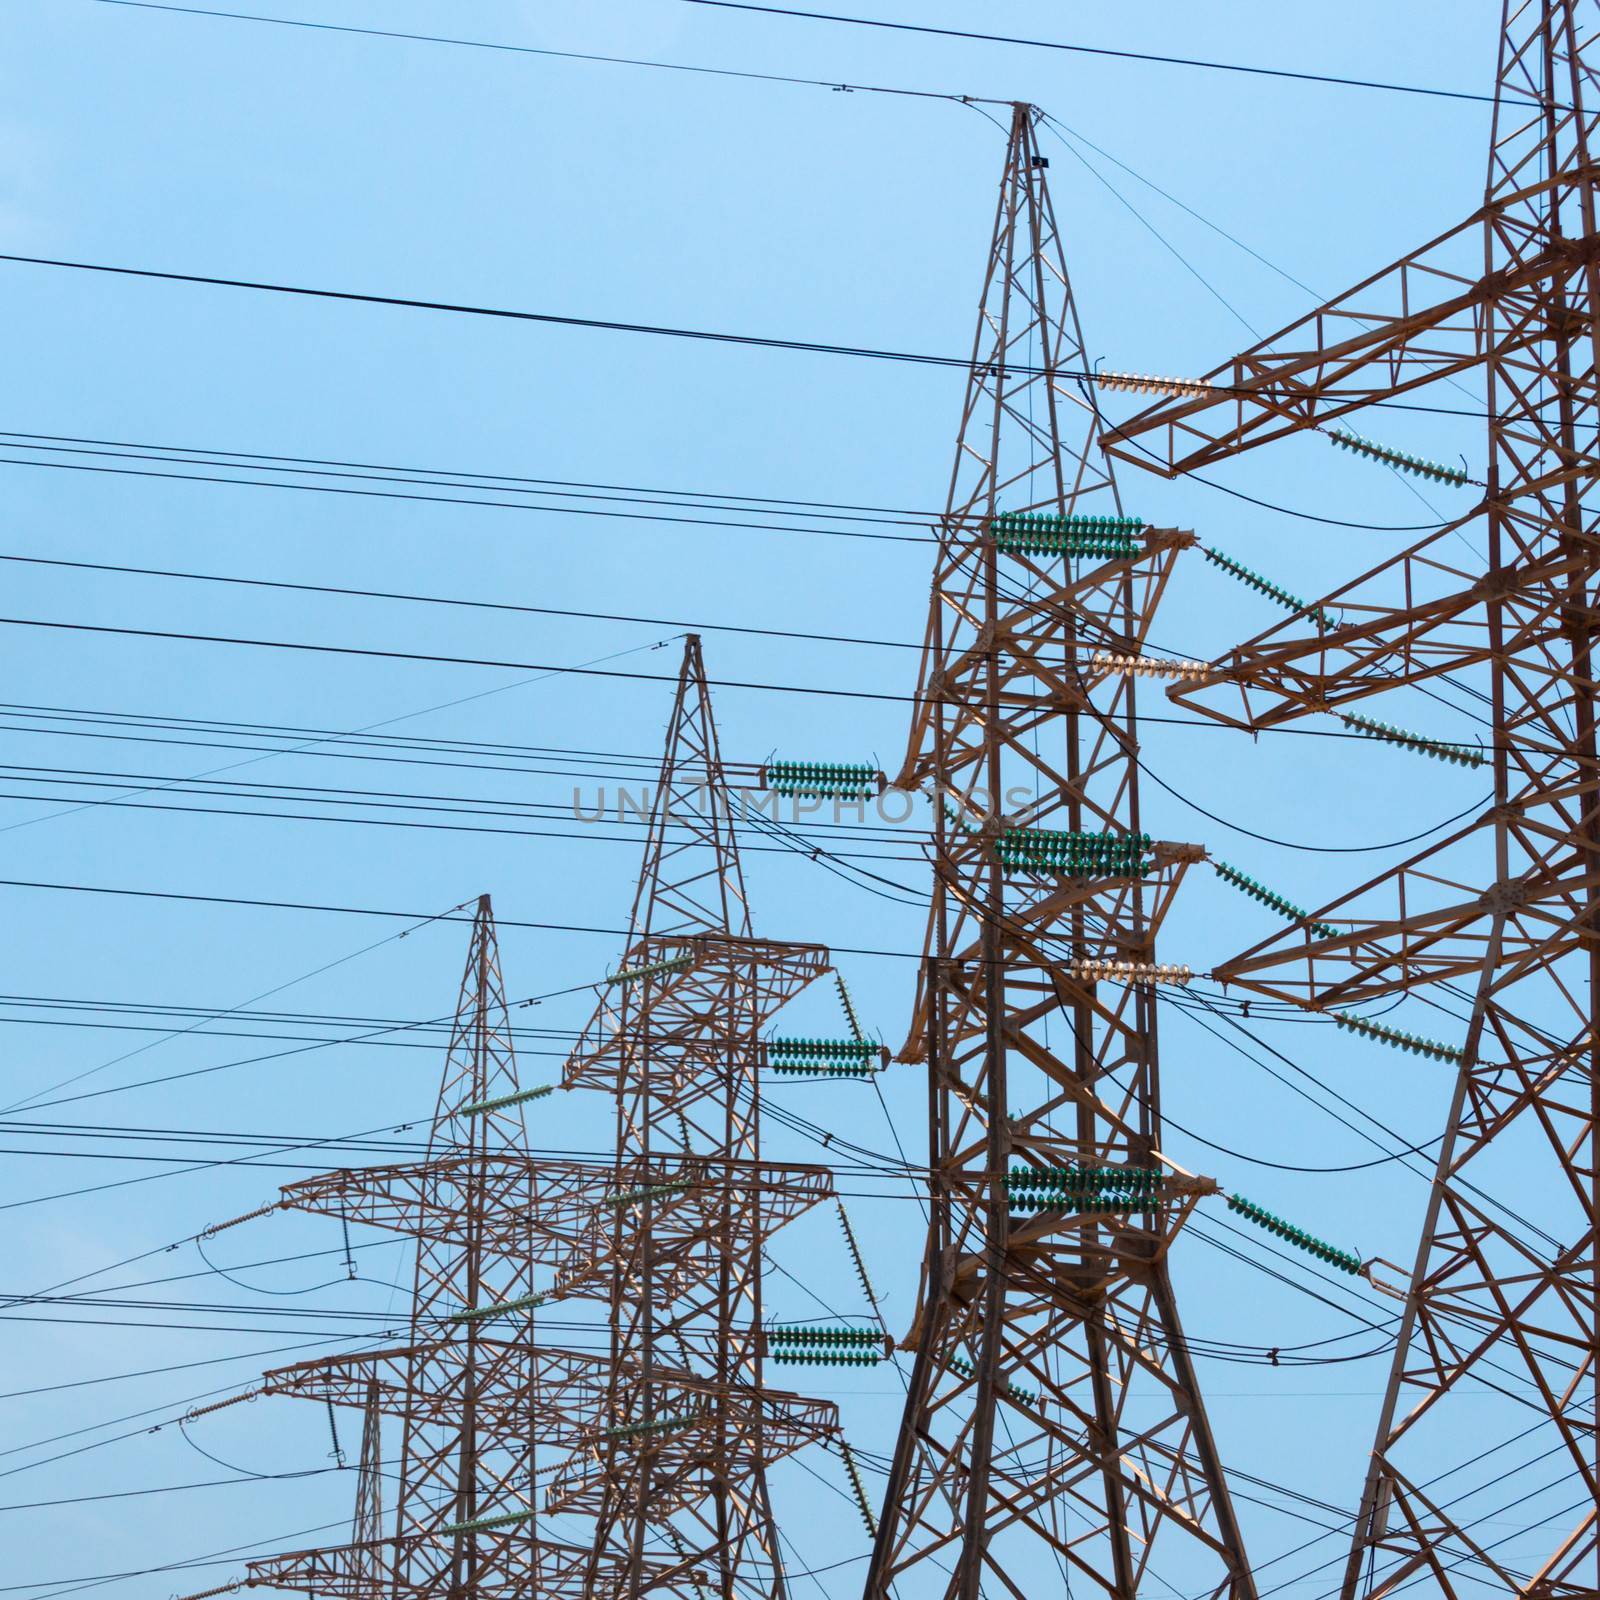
[[664, 1440], [677, 1041], [1053, 1425], [470, 1401], [1501, 913]]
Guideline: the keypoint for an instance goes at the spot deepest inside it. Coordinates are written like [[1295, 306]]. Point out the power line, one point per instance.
[[167, 1488], [445, 600], [363, 911], [239, 1033], [406, 747], [356, 1143], [582, 671], [58, 1007], [326, 794], [152, 1372], [555, 319], [454, 500], [590, 833], [501, 313], [462, 478], [533, 50], [1319, 849], [443, 660], [1096, 50], [822, 83]]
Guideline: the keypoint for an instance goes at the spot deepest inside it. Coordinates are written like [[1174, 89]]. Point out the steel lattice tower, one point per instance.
[[664, 1440], [469, 1400], [1053, 1422], [677, 1042], [1502, 912]]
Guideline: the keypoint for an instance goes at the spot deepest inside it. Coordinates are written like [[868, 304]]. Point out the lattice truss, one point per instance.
[[1053, 1427], [677, 1040], [486, 1219], [664, 1439], [1497, 920]]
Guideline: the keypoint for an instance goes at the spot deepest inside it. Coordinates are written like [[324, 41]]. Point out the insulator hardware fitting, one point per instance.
[[1418, 465], [481, 1108], [1459, 755], [1253, 580], [1320, 1248], [1142, 383], [653, 969], [1147, 666], [1105, 971]]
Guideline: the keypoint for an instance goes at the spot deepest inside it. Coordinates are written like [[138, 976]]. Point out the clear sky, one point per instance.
[[225, 147]]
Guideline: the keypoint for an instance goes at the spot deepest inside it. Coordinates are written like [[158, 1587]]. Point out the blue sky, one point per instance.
[[223, 147]]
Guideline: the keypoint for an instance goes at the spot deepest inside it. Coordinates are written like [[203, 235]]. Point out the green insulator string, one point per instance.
[[652, 969], [832, 1338], [481, 1108], [1459, 755], [824, 780], [506, 1519], [1142, 1182], [855, 1255], [801, 1069], [955, 819], [858, 1488], [1074, 854], [824, 1058], [855, 1050], [1045, 533], [654, 1191], [503, 1308], [653, 1425], [1320, 1248], [1420, 466], [856, 1030], [680, 1545], [1254, 580], [808, 1357], [1409, 1042], [792, 1344], [1085, 1191], [965, 1369], [1269, 898], [1026, 1202]]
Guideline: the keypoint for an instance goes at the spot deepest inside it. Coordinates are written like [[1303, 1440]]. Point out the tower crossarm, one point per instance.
[[1024, 632], [1417, 925], [1423, 318], [688, 1006], [515, 1564], [696, 1208], [1124, 1250], [1429, 613], [1113, 919], [521, 1387], [533, 1207], [694, 1434]]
